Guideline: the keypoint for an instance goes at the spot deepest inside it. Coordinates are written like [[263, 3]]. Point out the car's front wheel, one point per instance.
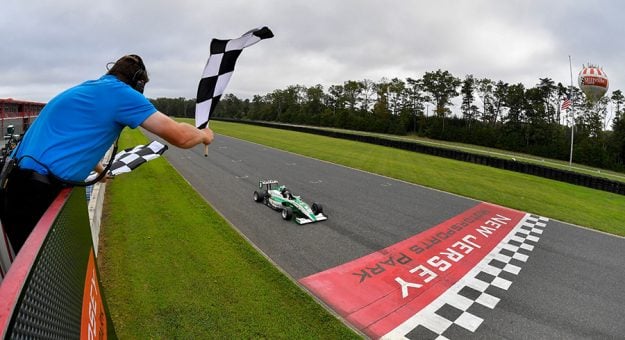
[[287, 213], [317, 208]]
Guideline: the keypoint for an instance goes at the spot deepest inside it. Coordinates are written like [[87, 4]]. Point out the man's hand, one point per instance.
[[209, 133], [99, 168], [209, 136]]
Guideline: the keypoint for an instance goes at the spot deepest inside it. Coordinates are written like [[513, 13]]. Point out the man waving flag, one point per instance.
[[219, 69]]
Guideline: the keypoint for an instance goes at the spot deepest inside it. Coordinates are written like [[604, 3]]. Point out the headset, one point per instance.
[[138, 80]]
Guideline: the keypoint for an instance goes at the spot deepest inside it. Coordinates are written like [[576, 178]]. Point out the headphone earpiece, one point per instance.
[[138, 78], [140, 74], [131, 70], [139, 85]]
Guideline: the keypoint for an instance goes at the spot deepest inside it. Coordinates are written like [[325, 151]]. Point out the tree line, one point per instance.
[[488, 113]]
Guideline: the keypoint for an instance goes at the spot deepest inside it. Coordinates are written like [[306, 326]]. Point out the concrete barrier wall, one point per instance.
[[95, 195], [94, 206]]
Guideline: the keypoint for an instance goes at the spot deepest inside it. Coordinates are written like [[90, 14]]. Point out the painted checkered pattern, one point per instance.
[[219, 69], [449, 316], [129, 159]]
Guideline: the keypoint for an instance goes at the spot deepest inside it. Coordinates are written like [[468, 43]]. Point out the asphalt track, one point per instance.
[[568, 285]]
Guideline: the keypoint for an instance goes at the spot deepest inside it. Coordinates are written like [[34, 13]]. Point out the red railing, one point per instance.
[[52, 289], [11, 110]]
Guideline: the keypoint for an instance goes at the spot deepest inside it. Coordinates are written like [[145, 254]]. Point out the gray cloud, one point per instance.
[[48, 46]]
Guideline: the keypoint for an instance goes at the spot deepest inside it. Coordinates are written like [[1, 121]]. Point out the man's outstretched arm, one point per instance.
[[182, 135]]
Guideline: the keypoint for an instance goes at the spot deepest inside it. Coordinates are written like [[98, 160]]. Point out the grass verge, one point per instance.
[[498, 153], [174, 268]]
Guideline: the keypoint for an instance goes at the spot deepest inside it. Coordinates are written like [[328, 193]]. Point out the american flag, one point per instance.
[[566, 104]]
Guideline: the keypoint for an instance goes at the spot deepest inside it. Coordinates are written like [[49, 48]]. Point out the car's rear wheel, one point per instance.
[[287, 213], [257, 197], [317, 208]]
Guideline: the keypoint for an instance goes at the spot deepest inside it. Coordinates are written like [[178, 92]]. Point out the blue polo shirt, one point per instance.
[[74, 130]]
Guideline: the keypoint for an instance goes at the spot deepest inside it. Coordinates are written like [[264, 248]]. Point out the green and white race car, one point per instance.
[[279, 198]]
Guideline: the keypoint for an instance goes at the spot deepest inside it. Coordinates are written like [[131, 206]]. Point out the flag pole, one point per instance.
[[572, 117]]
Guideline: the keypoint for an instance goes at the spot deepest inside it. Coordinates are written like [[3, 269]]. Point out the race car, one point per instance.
[[279, 198]]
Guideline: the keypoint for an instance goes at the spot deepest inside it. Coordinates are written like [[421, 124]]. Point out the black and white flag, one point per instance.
[[219, 69], [129, 159]]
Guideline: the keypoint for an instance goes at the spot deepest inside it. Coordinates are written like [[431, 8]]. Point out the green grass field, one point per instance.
[[497, 153], [173, 268]]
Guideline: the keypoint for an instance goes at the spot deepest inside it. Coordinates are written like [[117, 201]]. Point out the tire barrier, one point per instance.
[[561, 175]]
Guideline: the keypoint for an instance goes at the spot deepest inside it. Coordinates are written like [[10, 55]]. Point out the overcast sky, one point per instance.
[[47, 46]]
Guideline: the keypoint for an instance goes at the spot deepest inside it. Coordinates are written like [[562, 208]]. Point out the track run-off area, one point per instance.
[[396, 260]]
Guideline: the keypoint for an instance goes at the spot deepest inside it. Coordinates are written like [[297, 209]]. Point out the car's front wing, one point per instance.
[[304, 220]]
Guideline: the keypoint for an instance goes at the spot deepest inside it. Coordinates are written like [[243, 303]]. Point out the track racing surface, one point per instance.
[[396, 260]]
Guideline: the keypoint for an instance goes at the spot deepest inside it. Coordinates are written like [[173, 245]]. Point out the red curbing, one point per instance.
[[378, 292]]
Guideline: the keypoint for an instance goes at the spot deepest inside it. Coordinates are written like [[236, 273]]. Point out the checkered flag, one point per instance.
[[129, 159], [219, 69]]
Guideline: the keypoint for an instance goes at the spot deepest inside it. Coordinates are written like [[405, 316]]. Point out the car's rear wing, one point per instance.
[[267, 181]]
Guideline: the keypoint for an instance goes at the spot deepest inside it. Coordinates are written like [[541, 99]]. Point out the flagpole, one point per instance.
[[572, 118]]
